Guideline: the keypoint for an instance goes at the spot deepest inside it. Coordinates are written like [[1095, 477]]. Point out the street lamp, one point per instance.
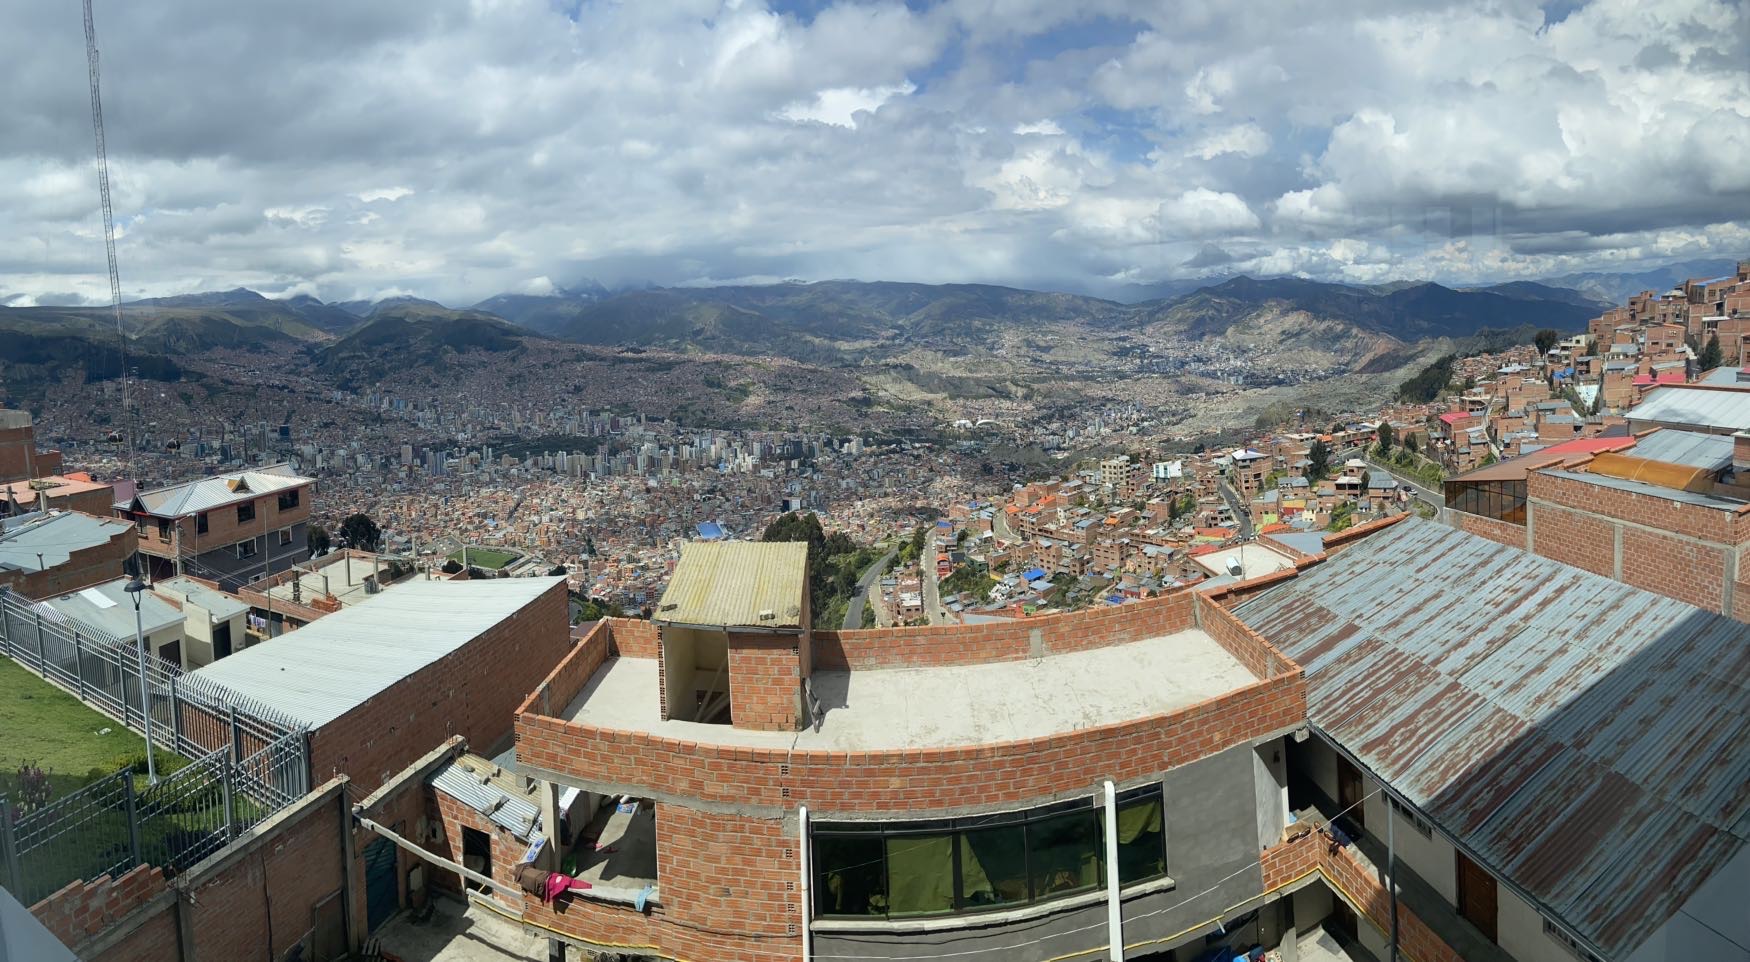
[[135, 588]]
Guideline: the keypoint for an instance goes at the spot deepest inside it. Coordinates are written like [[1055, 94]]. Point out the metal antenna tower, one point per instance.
[[115, 283]]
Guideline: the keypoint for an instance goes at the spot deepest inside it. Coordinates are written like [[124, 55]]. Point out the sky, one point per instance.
[[456, 149]]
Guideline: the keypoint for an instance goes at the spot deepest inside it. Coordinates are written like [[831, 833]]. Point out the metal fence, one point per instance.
[[248, 761]]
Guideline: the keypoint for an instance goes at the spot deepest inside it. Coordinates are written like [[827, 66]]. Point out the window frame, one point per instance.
[[241, 554], [960, 830], [289, 499], [285, 537], [246, 508], [201, 525]]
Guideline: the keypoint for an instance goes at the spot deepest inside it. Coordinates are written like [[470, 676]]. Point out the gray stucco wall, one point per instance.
[[223, 565], [1212, 844]]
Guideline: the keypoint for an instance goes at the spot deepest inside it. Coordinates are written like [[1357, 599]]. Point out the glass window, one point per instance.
[[993, 866], [848, 875], [1142, 848], [200, 523], [1065, 853], [920, 874], [246, 512]]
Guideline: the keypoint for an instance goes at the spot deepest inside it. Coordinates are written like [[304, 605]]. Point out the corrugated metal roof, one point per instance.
[[1698, 498], [222, 606], [204, 494], [1681, 477], [1586, 740], [108, 608], [56, 536], [738, 583], [1712, 452], [519, 815], [1701, 407], [333, 665]]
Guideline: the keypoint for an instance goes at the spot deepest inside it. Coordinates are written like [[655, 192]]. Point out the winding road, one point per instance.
[[854, 612]]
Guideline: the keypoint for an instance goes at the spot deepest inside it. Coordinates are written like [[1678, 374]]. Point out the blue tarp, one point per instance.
[[1033, 574], [710, 531]]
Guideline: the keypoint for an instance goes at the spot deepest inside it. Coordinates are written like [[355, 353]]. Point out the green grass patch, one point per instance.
[[487, 559], [42, 724]]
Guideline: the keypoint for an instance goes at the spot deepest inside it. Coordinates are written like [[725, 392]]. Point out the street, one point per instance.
[[932, 592], [854, 613], [1242, 516]]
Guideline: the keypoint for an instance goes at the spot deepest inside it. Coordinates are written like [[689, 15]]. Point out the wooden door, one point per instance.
[[1349, 793], [1476, 895]]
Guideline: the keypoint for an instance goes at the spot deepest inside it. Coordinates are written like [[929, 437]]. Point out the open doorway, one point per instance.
[[476, 856], [695, 670]]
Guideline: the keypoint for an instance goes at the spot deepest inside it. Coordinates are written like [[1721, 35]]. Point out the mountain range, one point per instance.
[[829, 322]]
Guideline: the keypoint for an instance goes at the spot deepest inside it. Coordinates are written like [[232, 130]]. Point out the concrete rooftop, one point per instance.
[[953, 705]]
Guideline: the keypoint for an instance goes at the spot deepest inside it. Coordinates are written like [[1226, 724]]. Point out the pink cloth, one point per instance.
[[559, 883]]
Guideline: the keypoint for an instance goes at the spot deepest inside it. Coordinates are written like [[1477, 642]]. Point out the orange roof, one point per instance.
[[1275, 528], [1679, 476]]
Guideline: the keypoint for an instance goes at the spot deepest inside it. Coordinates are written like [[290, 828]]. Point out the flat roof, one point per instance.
[[943, 706], [223, 606], [108, 608], [1709, 407], [331, 666], [1255, 560], [330, 574]]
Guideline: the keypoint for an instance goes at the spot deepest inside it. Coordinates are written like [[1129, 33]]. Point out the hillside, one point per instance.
[[1617, 288], [409, 337]]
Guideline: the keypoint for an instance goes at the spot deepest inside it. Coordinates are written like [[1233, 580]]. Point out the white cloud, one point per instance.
[[383, 193], [1245, 140], [839, 106]]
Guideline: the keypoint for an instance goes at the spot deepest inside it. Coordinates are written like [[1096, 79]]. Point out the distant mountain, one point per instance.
[[326, 317], [1409, 312], [183, 324], [372, 308], [1617, 288], [408, 335], [1534, 291]]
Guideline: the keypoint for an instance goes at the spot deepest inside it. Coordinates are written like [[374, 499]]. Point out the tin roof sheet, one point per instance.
[[54, 536], [1712, 452], [331, 666], [1702, 407], [1584, 739], [519, 815], [738, 583], [204, 494]]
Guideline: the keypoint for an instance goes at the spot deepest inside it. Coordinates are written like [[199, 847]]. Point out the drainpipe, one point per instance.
[[1391, 863], [1114, 913], [802, 833]]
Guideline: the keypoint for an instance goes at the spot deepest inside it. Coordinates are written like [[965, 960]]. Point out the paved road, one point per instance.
[[1000, 525], [1417, 488], [933, 609], [854, 613], [1242, 516]]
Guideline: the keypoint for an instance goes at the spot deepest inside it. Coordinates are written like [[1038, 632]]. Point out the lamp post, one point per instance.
[[135, 588]]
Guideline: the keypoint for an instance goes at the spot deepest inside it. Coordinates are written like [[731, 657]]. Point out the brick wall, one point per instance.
[[1674, 567], [223, 528], [271, 888], [1009, 641], [916, 779], [1360, 886], [765, 681], [18, 455], [504, 850], [82, 911], [83, 568], [1238, 639], [1574, 538], [474, 692], [634, 637], [1710, 524], [1501, 532]]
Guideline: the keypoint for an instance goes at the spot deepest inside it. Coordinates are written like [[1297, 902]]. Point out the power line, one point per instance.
[[115, 283]]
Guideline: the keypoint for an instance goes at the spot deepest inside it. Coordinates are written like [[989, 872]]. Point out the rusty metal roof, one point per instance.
[[737, 584], [1587, 741]]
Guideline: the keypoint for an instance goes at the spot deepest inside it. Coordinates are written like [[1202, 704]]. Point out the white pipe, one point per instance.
[[807, 907], [1114, 908], [440, 861]]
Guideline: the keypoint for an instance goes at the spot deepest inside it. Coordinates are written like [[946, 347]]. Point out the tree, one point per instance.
[[1410, 443], [1545, 339], [1386, 437], [317, 540], [558, 571], [1710, 355], [361, 532], [1320, 457], [452, 566]]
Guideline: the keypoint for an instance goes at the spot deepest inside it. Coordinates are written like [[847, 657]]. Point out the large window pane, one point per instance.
[[920, 874], [1065, 853], [1141, 840], [847, 875], [993, 866]]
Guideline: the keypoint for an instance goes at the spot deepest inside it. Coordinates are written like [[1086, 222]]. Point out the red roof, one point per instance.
[[1453, 417], [1588, 445], [1663, 377]]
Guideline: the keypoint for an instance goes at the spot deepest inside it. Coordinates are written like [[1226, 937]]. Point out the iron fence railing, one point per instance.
[[248, 761]]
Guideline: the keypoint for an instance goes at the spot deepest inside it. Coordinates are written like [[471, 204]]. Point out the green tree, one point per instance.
[[1545, 339], [1386, 437], [1410, 443], [318, 540], [1710, 355], [557, 571], [1320, 457], [452, 566], [361, 532]]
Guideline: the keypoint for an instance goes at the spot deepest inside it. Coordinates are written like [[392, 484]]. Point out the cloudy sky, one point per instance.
[[459, 148]]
